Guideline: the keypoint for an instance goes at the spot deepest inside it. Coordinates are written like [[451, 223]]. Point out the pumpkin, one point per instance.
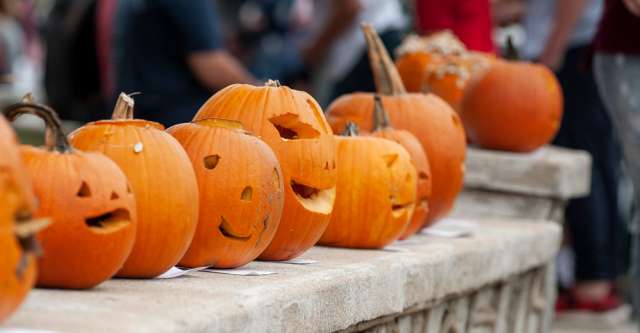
[[382, 129], [17, 245], [375, 193], [86, 197], [162, 178], [513, 106], [436, 125], [241, 192], [292, 123]]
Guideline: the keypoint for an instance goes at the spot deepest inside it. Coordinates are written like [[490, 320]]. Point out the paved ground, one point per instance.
[[615, 322]]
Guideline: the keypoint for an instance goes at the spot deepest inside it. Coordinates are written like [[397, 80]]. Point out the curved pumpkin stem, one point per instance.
[[124, 107], [272, 83], [55, 139], [511, 52], [380, 115], [388, 81], [351, 129]]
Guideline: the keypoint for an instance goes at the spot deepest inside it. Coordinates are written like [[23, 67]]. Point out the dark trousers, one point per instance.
[[596, 230]]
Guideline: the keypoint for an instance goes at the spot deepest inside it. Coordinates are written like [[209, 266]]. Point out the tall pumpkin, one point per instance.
[[428, 117], [241, 192], [162, 178], [382, 128], [17, 262], [85, 195], [375, 194], [292, 123]]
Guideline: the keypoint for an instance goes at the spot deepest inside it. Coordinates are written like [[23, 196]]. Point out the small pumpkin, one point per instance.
[[436, 125], [241, 192], [383, 129], [292, 123], [162, 178], [86, 197], [375, 193], [17, 243]]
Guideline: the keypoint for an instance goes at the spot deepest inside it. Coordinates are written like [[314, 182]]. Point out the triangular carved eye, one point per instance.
[[390, 159], [211, 161], [114, 196], [84, 191], [247, 193]]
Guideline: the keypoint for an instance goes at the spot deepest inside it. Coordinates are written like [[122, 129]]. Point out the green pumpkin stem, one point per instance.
[[351, 129], [511, 52], [124, 107], [380, 115], [55, 139], [385, 74]]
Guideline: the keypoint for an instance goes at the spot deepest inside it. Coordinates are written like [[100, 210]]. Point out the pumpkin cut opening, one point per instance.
[[313, 199], [398, 210], [211, 161], [226, 230], [25, 234], [290, 127], [109, 222]]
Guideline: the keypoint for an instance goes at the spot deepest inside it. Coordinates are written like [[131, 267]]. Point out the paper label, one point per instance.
[[175, 272], [241, 272]]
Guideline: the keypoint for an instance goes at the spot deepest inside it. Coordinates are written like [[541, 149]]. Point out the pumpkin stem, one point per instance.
[[351, 129], [388, 81], [272, 83], [380, 115], [55, 139], [511, 53], [123, 108]]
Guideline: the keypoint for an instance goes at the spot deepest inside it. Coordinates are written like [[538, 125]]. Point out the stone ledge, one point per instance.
[[549, 171], [344, 288]]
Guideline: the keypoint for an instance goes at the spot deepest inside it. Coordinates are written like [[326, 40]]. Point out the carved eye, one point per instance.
[[84, 191], [390, 159], [211, 161], [114, 196], [247, 193]]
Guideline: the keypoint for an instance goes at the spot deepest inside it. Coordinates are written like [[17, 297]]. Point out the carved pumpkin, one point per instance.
[[375, 193], [382, 129], [514, 106], [241, 192], [292, 123], [162, 178], [17, 262], [428, 117], [85, 195]]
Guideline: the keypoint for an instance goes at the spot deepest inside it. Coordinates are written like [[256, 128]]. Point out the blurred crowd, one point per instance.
[[77, 54]]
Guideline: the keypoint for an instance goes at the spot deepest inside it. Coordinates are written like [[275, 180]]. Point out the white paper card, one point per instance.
[[242, 272], [175, 272], [297, 261], [23, 330]]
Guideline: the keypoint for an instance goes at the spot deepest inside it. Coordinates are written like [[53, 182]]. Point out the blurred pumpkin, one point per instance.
[[383, 129], [162, 178], [375, 193], [85, 194], [241, 192], [428, 117], [292, 123]]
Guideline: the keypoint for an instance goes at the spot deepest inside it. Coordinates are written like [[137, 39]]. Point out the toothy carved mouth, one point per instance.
[[316, 200], [225, 229], [109, 222]]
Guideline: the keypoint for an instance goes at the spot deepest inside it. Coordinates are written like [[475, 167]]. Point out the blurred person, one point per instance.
[[617, 69], [559, 34], [470, 20], [171, 52]]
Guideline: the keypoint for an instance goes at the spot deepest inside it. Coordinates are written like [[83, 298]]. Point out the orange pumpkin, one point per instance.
[[514, 106], [428, 117], [382, 129], [241, 192], [17, 262], [375, 193], [162, 178], [292, 123], [86, 196]]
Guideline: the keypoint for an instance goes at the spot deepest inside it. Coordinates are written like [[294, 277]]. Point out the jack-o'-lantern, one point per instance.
[[17, 241], [292, 123], [85, 195], [375, 193], [382, 128], [162, 178], [241, 192], [436, 125]]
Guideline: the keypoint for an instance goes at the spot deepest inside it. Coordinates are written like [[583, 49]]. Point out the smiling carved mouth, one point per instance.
[[225, 229], [397, 210], [313, 199], [109, 222]]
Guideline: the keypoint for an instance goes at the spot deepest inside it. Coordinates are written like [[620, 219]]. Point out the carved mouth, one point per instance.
[[314, 199], [109, 222], [397, 210], [226, 230], [25, 231]]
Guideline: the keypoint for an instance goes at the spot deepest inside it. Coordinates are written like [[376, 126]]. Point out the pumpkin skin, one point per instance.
[[163, 180], [514, 106], [436, 125], [383, 129], [293, 125], [375, 193], [86, 197], [414, 68], [17, 267], [241, 193]]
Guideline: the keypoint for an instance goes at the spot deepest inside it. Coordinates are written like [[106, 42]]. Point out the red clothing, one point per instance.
[[619, 30], [470, 20]]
